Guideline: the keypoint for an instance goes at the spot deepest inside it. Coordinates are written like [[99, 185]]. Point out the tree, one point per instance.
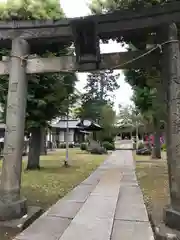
[[44, 103], [98, 93], [130, 117], [138, 38], [46, 92], [107, 121], [153, 113], [97, 102], [139, 79]]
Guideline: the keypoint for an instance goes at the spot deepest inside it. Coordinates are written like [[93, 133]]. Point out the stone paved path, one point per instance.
[[108, 205], [124, 144]]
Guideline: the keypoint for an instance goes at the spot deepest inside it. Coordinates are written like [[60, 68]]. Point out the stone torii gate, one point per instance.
[[28, 37]]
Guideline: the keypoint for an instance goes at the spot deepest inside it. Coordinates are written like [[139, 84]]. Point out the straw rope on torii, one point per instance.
[[113, 61]]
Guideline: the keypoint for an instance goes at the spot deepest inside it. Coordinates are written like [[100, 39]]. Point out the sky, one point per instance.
[[78, 8]]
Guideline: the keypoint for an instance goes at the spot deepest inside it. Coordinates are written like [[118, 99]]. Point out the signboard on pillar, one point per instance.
[[86, 41]]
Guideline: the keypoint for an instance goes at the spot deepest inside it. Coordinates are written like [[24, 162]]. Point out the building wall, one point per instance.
[[60, 135]]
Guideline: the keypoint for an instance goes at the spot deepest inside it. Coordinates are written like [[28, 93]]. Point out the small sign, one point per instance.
[[86, 41]]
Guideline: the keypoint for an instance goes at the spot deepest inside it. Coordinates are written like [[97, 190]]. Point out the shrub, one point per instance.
[[98, 150], [108, 146], [145, 152], [71, 145], [83, 146], [77, 145], [141, 145], [163, 147], [108, 139], [62, 145]]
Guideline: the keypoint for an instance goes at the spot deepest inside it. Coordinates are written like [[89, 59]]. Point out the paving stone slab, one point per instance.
[[130, 184], [111, 162], [80, 193], [131, 230], [65, 209], [126, 146], [107, 166], [130, 195], [94, 178], [130, 205], [133, 212], [45, 228], [129, 178], [94, 221], [109, 184], [100, 206], [88, 229]]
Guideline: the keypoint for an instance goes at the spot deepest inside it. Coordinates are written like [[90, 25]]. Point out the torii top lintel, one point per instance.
[[108, 25]]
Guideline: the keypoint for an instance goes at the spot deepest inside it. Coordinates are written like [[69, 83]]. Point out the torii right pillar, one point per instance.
[[171, 55]]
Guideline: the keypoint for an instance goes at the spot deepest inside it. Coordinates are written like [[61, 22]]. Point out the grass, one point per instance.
[[153, 178], [139, 158], [43, 188]]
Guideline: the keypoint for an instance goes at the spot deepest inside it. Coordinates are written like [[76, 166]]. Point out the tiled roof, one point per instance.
[[63, 124]]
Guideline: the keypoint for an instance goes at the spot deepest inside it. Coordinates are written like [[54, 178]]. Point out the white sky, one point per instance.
[[77, 8]]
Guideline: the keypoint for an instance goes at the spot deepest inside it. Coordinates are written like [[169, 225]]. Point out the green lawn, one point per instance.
[[153, 178], [43, 188], [148, 158]]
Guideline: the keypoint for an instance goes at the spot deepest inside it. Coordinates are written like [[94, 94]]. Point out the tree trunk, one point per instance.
[[43, 142], [156, 151], [34, 149]]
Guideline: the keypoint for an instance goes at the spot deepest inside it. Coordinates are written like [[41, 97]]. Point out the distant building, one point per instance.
[[127, 129], [58, 131]]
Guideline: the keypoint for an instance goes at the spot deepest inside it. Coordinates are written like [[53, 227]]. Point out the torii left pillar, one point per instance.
[[12, 205]]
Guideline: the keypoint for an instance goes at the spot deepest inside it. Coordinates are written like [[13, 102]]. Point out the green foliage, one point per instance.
[[30, 10], [77, 145], [111, 5], [143, 98], [144, 82], [62, 145], [163, 147], [108, 146], [98, 150], [107, 122], [71, 145], [141, 145], [47, 96], [129, 118], [83, 146], [97, 102], [47, 93], [145, 95], [137, 38], [99, 87], [147, 85]]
